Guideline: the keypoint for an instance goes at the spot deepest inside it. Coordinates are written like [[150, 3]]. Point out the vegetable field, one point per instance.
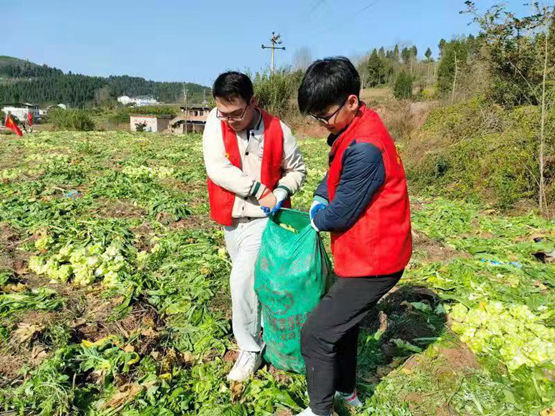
[[114, 294]]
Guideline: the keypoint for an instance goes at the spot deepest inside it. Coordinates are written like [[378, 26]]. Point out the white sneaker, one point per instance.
[[308, 412], [350, 399], [247, 363]]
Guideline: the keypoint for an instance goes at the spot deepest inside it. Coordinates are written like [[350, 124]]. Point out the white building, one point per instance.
[[149, 123], [21, 110], [138, 101]]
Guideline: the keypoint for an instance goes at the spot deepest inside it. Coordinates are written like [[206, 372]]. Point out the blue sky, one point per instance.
[[196, 40]]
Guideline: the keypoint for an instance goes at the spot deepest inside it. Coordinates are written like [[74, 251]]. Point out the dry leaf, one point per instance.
[[126, 393], [148, 321], [25, 332], [149, 332], [38, 354], [236, 389]]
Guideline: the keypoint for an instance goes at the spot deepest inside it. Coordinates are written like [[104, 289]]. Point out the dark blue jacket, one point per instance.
[[362, 174]]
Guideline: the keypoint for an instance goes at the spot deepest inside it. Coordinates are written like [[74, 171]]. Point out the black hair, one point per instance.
[[326, 82], [233, 84]]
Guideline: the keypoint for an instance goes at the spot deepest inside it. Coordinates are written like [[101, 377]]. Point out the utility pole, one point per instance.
[[276, 40], [185, 93]]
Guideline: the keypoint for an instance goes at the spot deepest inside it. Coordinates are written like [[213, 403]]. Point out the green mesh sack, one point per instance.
[[292, 274]]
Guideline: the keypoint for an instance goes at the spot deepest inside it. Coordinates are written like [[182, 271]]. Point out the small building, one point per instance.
[[149, 123], [137, 101], [44, 112], [192, 120], [21, 110], [196, 112]]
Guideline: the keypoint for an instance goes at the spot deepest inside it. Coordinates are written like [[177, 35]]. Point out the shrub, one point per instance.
[[477, 151], [70, 119], [120, 115], [428, 93], [403, 86], [275, 92]]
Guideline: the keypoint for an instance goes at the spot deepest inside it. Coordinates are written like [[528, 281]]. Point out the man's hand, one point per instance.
[[268, 201], [317, 205], [281, 195]]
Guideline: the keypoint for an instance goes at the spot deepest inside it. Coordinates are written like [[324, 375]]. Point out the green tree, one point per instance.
[[406, 55], [521, 60], [414, 52], [396, 53], [375, 70], [428, 54], [453, 58], [441, 45], [403, 86], [515, 51]]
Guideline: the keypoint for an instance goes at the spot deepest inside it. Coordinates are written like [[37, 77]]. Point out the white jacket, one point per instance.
[[242, 182]]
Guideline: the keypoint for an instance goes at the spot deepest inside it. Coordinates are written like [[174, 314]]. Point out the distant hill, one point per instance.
[[4, 60], [24, 81], [11, 67]]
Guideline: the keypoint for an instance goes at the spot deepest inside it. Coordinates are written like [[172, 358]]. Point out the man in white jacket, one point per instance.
[[253, 166]]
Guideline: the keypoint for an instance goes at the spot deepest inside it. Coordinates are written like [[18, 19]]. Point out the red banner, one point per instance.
[[12, 126]]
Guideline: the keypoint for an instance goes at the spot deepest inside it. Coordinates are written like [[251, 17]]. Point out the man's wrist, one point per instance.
[[320, 200], [265, 193], [257, 190], [281, 193]]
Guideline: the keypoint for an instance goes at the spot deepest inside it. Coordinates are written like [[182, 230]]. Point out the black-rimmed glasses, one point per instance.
[[232, 117], [326, 119]]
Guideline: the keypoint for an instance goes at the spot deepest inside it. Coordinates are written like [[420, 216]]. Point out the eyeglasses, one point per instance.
[[231, 117], [326, 119]]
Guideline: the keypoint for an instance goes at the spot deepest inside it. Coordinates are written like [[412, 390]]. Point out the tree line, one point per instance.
[[401, 68], [505, 61], [28, 70], [45, 85]]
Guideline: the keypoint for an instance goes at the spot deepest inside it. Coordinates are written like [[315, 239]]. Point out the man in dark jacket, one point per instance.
[[363, 202]]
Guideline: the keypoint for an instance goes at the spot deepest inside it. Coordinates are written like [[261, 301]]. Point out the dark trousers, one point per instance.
[[330, 334]]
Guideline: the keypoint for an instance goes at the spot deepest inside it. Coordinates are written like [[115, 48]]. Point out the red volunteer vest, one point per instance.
[[380, 241], [221, 200]]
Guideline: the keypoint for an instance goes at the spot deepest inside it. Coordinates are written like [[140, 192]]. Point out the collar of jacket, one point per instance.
[[256, 126], [334, 136]]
